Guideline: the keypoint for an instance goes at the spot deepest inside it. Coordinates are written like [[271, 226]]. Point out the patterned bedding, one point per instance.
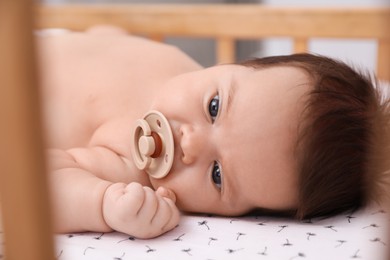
[[358, 235]]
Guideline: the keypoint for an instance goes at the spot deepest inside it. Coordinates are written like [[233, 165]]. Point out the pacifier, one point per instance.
[[153, 149]]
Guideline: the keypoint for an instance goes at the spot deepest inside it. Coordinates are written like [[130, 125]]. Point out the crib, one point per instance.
[[26, 221]]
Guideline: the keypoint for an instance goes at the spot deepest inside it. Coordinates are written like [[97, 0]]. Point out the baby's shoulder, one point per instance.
[[152, 51]]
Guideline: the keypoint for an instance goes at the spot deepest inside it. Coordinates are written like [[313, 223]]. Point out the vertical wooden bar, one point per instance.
[[23, 186], [157, 38], [300, 45], [225, 50], [383, 60]]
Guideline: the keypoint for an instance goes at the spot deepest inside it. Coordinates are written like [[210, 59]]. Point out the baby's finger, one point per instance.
[[149, 207], [163, 214], [167, 215], [134, 196], [167, 193]]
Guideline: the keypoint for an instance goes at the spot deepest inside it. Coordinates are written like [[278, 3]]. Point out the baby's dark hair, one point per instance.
[[343, 136]]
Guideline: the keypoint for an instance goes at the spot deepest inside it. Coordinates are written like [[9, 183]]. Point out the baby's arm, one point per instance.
[[84, 202]]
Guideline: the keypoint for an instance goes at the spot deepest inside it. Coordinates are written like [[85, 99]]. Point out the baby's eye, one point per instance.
[[214, 107], [216, 175]]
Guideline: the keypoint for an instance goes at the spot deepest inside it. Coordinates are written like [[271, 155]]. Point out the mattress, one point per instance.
[[356, 235]]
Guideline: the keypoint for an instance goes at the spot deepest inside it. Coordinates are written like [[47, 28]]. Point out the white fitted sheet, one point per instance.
[[358, 235]]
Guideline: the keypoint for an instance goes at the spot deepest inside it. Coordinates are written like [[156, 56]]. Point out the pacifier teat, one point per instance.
[[153, 149]]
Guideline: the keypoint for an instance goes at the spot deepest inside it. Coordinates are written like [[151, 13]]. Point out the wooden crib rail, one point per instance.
[[235, 21], [227, 23], [23, 189]]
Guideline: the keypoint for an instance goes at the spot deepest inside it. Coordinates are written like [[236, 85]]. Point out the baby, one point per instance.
[[288, 134]]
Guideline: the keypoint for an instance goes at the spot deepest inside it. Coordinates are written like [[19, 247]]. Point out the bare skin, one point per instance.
[[96, 84]]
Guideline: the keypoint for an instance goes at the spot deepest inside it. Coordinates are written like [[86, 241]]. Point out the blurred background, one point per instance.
[[360, 52]]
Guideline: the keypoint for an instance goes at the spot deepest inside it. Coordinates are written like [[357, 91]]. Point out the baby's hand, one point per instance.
[[140, 211]]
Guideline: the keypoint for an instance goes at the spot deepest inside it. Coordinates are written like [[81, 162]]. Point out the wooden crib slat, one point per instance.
[[383, 60], [157, 37], [300, 45], [24, 200], [225, 50], [235, 21]]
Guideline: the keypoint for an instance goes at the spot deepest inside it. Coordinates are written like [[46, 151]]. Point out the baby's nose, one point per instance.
[[192, 143]]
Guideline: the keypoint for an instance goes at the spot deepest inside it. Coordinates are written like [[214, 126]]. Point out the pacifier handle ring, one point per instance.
[[141, 161], [153, 149]]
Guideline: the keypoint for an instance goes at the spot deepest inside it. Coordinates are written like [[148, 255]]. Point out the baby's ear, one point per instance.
[[167, 193]]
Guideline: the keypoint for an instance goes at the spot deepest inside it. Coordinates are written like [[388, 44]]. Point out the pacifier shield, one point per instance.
[[153, 149]]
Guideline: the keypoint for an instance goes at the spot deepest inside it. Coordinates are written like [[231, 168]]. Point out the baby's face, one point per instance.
[[235, 130]]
